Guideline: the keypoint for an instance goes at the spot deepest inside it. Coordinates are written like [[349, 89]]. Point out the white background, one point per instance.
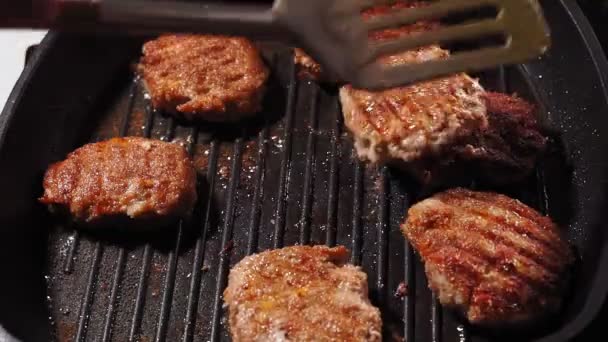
[[13, 44]]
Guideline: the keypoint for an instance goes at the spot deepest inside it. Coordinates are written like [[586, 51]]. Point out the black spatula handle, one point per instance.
[[252, 20], [255, 20]]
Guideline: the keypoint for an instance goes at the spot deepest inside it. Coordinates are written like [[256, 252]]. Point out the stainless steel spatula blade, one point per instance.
[[341, 41], [334, 32]]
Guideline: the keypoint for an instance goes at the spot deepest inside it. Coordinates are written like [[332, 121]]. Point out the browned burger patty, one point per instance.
[[307, 66], [444, 129], [491, 257], [213, 78], [506, 151], [123, 178], [300, 293], [407, 123]]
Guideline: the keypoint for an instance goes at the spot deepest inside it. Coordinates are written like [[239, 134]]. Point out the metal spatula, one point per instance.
[[334, 32], [338, 39]]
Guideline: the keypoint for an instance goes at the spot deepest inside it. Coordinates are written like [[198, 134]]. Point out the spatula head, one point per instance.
[[339, 37]]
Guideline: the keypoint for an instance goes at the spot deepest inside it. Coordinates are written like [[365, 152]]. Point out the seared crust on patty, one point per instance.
[[134, 178], [407, 123], [505, 152], [445, 129], [207, 77], [410, 122], [491, 257], [300, 293], [508, 149]]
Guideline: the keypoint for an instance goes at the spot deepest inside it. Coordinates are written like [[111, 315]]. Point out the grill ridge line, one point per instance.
[[168, 288], [409, 301], [108, 321], [68, 264], [199, 252], [382, 231], [224, 259], [436, 319], [286, 160], [355, 256], [332, 200], [258, 194], [87, 300], [120, 260], [147, 253], [307, 193]]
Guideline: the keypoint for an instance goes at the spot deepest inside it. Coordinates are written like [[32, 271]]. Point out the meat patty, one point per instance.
[[444, 129], [308, 68], [505, 152], [508, 149], [410, 122], [122, 179], [407, 123], [300, 293], [490, 257], [207, 77]]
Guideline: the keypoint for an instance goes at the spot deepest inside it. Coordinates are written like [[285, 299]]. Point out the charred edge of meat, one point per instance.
[[130, 182], [506, 152], [231, 113], [496, 283]]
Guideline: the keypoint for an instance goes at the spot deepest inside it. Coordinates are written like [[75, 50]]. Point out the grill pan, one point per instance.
[[290, 176]]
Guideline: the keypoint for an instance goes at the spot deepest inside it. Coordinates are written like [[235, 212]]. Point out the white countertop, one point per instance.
[[12, 60], [12, 57]]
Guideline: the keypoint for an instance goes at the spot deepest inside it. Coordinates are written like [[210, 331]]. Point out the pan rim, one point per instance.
[[599, 285]]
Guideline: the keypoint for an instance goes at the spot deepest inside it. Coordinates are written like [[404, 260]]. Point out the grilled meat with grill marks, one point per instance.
[[123, 179], [489, 256], [505, 152], [207, 77], [508, 149], [442, 129], [410, 122], [310, 69], [300, 293]]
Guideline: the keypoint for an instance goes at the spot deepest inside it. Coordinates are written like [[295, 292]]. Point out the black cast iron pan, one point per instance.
[[287, 177]]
